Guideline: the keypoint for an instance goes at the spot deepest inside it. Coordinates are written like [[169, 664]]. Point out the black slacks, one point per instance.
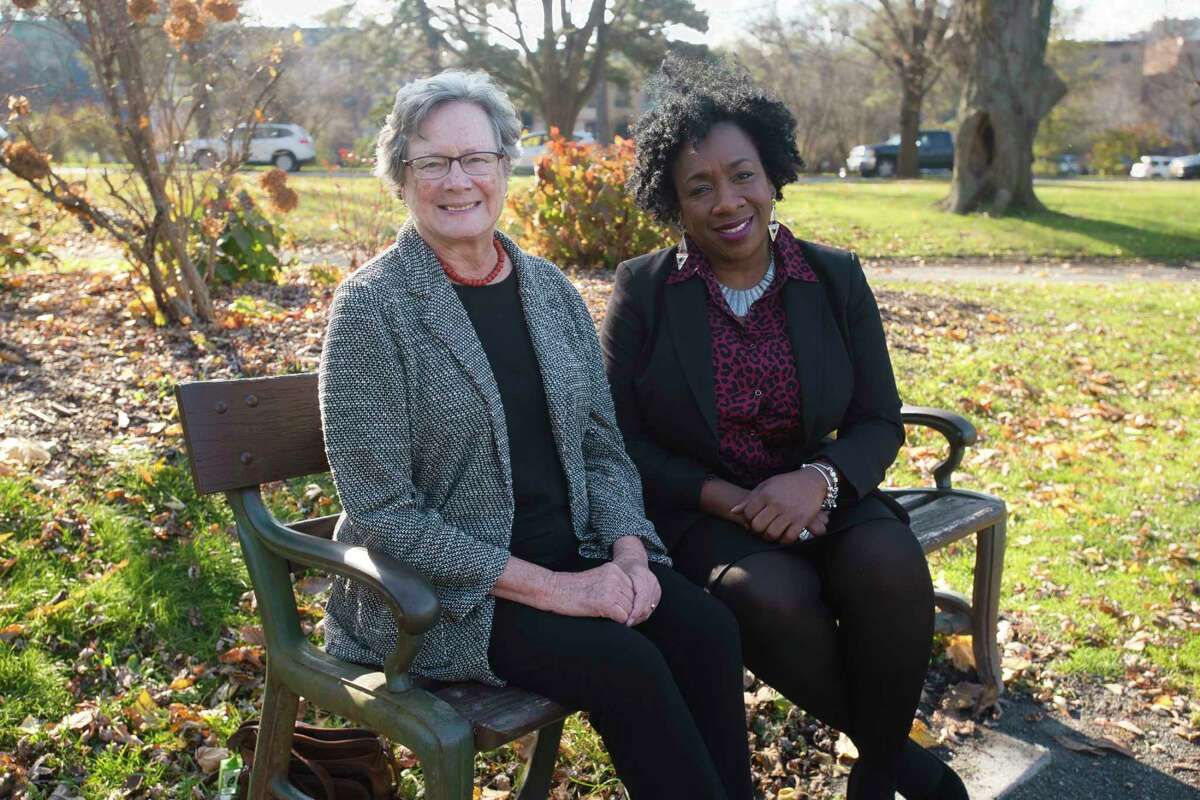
[[666, 695]]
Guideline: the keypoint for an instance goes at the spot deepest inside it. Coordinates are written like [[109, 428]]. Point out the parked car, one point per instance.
[[285, 145], [1185, 167], [1150, 167], [935, 150], [1069, 164], [533, 147]]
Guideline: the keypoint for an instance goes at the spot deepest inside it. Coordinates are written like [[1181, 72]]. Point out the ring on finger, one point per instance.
[[804, 535]]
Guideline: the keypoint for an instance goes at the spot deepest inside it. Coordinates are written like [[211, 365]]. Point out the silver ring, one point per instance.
[[804, 536]]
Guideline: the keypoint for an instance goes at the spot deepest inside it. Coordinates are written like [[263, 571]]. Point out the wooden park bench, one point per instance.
[[241, 434]]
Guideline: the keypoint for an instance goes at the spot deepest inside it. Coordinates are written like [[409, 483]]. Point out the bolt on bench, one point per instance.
[[241, 434]]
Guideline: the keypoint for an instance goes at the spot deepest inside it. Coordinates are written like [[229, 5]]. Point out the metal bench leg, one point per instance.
[[989, 566], [273, 750], [539, 769], [449, 765]]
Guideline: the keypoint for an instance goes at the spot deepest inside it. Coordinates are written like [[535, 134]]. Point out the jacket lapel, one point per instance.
[[445, 318], [548, 326], [805, 304], [687, 317]]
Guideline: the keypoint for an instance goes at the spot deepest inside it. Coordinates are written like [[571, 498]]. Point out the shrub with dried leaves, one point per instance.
[[141, 10], [18, 106], [25, 5], [283, 197], [184, 23], [221, 10], [26, 161], [579, 214]]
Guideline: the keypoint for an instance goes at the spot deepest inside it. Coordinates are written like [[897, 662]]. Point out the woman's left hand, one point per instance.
[[630, 555], [782, 506]]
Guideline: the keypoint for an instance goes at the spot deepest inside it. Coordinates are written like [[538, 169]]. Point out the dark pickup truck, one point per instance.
[[935, 150]]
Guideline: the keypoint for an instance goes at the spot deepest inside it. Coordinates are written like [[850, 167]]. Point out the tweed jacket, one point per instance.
[[416, 438]]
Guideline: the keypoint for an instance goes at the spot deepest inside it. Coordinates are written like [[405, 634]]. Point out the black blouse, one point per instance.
[[542, 530]]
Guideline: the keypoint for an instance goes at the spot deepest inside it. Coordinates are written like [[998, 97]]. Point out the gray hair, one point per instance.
[[416, 100]]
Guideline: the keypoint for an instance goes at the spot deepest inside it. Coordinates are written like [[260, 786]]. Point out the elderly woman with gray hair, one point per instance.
[[471, 434]]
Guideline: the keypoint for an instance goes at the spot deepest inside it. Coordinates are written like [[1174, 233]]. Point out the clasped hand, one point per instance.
[[782, 506], [623, 590]]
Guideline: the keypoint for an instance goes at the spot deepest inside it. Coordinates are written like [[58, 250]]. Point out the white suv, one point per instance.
[[284, 145], [1151, 167]]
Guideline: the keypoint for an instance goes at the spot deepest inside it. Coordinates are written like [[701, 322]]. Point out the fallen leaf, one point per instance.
[[1095, 746], [210, 758], [1077, 746], [24, 452], [10, 632], [845, 749], [962, 695], [961, 653], [80, 719], [313, 584], [182, 682], [920, 733], [1126, 725]]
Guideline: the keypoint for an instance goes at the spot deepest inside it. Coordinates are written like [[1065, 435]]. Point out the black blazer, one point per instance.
[[658, 353]]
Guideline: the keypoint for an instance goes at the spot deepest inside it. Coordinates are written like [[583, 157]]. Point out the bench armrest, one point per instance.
[[959, 433], [413, 604]]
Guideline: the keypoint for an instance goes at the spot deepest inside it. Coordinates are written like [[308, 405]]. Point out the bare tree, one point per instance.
[[910, 38], [1007, 88], [813, 69], [554, 63]]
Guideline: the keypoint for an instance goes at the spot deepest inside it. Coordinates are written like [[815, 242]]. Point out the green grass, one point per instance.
[[1084, 218], [1086, 400], [1105, 513], [32, 683], [879, 219]]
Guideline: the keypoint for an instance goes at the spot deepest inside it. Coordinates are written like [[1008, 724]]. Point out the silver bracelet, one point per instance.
[[831, 484]]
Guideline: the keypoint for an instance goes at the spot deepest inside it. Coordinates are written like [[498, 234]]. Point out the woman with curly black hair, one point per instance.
[[734, 358]]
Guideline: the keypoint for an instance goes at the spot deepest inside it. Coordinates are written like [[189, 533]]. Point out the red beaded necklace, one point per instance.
[[486, 279]]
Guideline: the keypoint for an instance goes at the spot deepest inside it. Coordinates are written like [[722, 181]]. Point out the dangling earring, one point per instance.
[[773, 225], [681, 253]]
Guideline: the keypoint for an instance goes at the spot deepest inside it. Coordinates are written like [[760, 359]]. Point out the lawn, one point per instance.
[[1086, 219], [1153, 221], [127, 639]]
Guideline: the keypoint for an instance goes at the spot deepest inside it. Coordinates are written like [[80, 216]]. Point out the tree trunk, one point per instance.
[[1007, 89], [561, 111], [907, 162], [603, 129]]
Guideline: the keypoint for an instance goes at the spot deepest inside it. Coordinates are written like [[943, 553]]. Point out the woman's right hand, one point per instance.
[[605, 591]]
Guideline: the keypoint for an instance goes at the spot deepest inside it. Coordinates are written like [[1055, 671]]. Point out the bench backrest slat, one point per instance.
[[242, 433]]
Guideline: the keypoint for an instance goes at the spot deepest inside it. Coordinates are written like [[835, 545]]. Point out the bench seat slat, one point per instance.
[[939, 518], [498, 714]]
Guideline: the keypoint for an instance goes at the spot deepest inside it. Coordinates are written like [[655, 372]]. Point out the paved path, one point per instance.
[[1052, 272]]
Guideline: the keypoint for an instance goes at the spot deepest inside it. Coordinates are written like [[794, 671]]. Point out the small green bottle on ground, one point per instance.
[[227, 778]]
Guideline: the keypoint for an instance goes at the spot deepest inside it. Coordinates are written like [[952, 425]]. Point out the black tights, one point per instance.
[[841, 626]]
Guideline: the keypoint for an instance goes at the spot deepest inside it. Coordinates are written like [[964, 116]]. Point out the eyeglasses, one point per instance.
[[431, 168]]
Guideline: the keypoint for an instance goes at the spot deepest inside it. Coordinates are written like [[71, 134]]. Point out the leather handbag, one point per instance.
[[327, 763]]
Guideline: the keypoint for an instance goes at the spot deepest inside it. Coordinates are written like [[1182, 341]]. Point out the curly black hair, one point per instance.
[[688, 98]]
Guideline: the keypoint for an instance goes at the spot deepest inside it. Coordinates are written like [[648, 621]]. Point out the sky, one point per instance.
[[1092, 19]]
